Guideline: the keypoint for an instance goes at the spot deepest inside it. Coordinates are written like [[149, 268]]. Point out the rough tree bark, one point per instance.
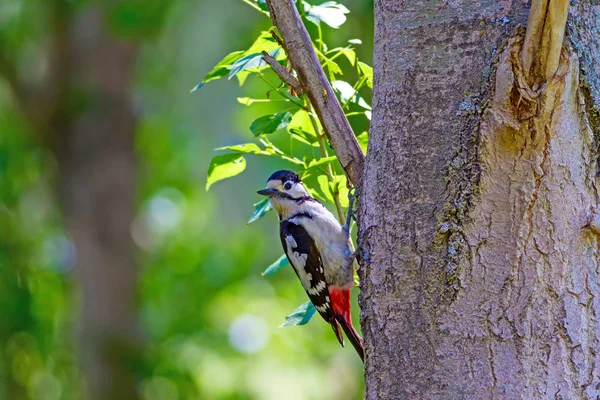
[[480, 277], [84, 113]]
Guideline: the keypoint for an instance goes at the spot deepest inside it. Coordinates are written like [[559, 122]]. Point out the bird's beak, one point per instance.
[[268, 192]]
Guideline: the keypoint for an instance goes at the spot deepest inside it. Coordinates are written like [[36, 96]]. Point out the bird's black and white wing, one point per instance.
[[305, 259]]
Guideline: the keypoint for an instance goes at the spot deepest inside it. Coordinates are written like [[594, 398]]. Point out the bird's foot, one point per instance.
[[351, 212]]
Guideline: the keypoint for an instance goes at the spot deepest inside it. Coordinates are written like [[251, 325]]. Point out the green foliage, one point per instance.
[[36, 346], [270, 123], [254, 60], [137, 18], [223, 68], [301, 315], [298, 120], [277, 265], [260, 209], [363, 140], [367, 73], [224, 166], [199, 263], [348, 94]]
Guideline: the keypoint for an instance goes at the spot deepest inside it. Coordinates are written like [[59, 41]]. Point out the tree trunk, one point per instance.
[[94, 144], [84, 114], [480, 277]]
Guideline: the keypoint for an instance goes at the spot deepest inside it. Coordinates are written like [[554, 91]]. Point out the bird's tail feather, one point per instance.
[[336, 329], [340, 299], [354, 338]]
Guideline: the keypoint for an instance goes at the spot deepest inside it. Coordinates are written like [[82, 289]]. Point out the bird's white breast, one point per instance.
[[331, 241]]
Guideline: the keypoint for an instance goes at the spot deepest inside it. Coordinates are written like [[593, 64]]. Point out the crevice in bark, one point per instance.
[[462, 177], [535, 152]]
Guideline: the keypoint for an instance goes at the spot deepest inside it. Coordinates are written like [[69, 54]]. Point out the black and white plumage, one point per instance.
[[305, 259], [318, 249]]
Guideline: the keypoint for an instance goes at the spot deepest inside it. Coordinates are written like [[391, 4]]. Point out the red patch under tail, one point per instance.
[[340, 300]]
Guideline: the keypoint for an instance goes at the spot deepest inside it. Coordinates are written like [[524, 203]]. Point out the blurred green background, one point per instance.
[[209, 320]]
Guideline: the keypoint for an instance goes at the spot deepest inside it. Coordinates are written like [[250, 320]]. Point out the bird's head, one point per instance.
[[285, 191]]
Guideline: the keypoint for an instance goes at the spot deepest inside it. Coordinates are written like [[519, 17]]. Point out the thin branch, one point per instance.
[[283, 74], [278, 39], [305, 62], [544, 38]]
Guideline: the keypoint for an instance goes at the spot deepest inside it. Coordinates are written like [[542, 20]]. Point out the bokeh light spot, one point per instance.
[[248, 334], [44, 386], [159, 388], [165, 210], [59, 252]]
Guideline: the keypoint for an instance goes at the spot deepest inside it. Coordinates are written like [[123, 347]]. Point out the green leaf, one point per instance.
[[332, 67], [330, 13], [253, 60], [341, 184], [224, 166], [242, 76], [301, 128], [347, 52], [301, 120], [325, 187], [304, 137], [300, 315], [270, 123], [314, 194], [321, 161], [262, 4], [348, 94], [248, 148], [277, 265], [264, 42], [260, 209], [350, 55], [363, 141], [367, 72], [221, 69], [247, 101]]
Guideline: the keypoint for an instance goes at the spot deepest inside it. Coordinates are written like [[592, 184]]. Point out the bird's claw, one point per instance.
[[351, 213]]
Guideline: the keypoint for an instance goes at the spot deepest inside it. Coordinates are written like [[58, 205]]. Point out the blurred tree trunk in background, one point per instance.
[[93, 138], [477, 198], [84, 113]]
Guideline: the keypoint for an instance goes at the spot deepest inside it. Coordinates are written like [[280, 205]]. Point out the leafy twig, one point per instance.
[[282, 93], [283, 74], [305, 62], [278, 39]]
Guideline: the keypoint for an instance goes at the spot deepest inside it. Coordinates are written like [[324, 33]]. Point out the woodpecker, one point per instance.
[[318, 249]]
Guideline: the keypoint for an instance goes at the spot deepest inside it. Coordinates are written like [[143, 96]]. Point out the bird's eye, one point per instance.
[[287, 186]]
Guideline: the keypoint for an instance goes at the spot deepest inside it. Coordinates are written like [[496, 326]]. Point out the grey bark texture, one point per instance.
[[480, 274]]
